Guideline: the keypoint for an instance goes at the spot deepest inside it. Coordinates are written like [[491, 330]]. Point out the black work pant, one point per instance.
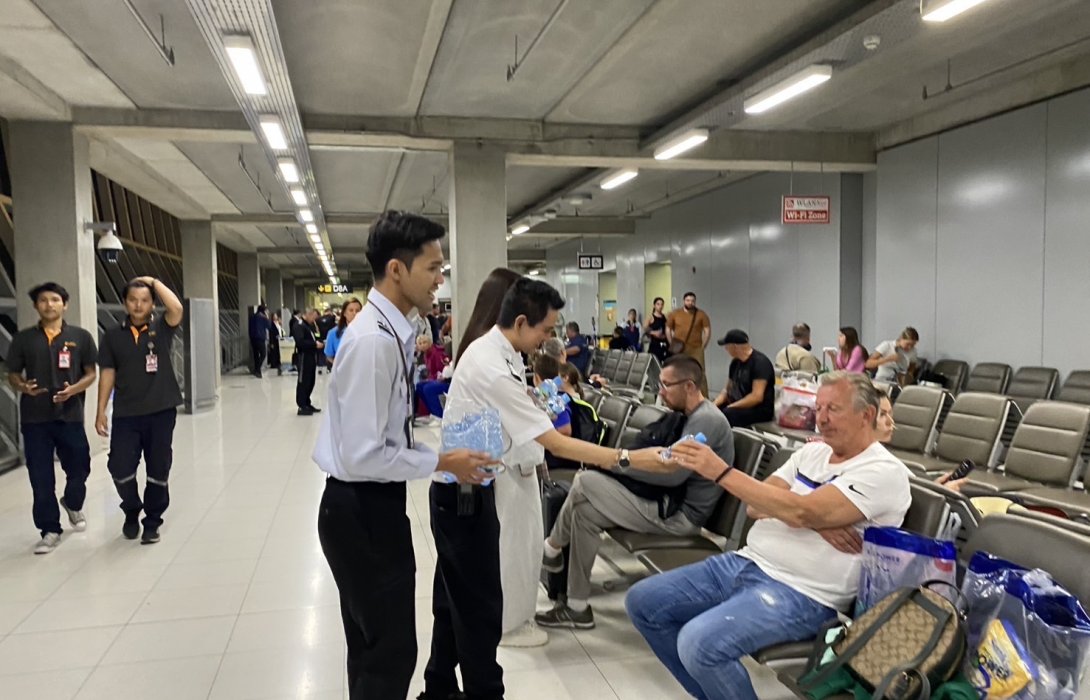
[[467, 600], [745, 417], [69, 442], [274, 352], [259, 347], [305, 381], [366, 539], [152, 435]]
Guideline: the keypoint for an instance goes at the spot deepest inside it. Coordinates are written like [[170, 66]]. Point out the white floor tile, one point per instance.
[[172, 639], [74, 613], [12, 614], [578, 682], [59, 684], [259, 674], [184, 574], [637, 679], [202, 601], [171, 679], [304, 628], [47, 651]]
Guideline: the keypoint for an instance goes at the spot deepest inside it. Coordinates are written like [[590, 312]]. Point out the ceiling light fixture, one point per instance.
[[243, 57], [316, 238], [274, 133], [579, 198], [803, 81], [306, 215], [618, 178], [681, 143], [288, 169], [313, 229], [519, 230], [942, 10], [300, 197]]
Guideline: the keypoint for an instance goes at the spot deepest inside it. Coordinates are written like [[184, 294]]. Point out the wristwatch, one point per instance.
[[623, 461]]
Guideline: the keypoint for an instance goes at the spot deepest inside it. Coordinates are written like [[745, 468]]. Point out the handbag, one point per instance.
[[911, 641], [677, 347]]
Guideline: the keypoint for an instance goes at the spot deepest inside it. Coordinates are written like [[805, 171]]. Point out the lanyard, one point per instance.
[[405, 372]]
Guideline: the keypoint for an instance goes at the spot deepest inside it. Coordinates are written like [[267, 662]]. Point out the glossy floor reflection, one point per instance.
[[237, 602]]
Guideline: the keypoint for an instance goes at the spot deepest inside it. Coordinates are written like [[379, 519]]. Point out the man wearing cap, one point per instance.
[[749, 396]]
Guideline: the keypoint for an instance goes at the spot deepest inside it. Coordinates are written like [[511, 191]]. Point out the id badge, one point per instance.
[[151, 363], [64, 359]]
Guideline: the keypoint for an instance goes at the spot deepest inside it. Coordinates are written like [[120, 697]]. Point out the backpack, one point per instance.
[[911, 641], [585, 423], [665, 431]]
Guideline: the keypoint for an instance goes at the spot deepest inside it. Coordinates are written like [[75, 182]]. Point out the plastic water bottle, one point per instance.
[[550, 398], [667, 454], [480, 430]]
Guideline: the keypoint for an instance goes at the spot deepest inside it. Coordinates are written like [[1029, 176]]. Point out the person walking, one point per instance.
[[308, 347], [51, 365], [688, 331], [137, 368], [366, 448]]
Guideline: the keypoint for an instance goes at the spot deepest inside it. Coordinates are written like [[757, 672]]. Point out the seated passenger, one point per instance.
[[435, 377], [749, 395], [554, 347], [598, 502], [795, 356], [801, 563], [619, 341], [546, 367], [895, 361], [850, 356]]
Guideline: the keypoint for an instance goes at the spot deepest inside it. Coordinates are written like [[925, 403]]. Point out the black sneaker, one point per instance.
[[151, 535], [314, 409], [564, 617], [131, 528], [307, 411], [554, 565]]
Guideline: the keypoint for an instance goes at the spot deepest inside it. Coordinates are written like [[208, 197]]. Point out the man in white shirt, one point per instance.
[[477, 529], [366, 447], [801, 562]]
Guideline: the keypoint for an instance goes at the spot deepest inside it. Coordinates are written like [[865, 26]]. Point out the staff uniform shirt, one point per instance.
[[51, 361], [877, 484], [491, 373], [366, 433], [131, 351], [580, 360]]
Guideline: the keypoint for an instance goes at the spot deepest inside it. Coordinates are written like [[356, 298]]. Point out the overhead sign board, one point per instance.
[[590, 262], [806, 209], [341, 288]]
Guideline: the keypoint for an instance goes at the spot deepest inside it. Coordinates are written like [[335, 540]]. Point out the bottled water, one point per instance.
[[667, 454], [550, 398], [478, 429]]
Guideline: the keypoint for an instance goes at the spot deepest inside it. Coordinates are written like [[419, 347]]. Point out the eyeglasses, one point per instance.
[[671, 385]]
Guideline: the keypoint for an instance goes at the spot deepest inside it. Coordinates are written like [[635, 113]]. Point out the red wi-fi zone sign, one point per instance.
[[805, 210]]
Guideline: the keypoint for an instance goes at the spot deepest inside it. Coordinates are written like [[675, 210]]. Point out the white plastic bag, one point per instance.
[[895, 558], [796, 408]]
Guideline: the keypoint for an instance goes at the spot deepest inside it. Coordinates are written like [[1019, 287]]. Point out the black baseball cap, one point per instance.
[[735, 336]]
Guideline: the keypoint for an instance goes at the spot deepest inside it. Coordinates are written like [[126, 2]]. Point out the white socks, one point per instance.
[[551, 551], [577, 605]]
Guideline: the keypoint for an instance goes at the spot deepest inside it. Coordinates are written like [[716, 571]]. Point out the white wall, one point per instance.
[[982, 238], [728, 246]]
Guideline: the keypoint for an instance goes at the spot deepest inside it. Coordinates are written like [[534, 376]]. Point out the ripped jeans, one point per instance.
[[700, 620]]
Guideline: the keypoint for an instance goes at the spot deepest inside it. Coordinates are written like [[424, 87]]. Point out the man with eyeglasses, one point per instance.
[[598, 502]]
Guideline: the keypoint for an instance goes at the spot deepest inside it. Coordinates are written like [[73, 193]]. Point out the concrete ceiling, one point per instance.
[[604, 78]]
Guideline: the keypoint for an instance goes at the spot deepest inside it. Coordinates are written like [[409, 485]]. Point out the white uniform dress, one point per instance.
[[491, 373]]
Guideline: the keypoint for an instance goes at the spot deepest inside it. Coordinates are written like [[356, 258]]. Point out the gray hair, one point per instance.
[[864, 393], [554, 347]]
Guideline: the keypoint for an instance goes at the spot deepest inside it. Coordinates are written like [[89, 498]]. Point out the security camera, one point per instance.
[[109, 247]]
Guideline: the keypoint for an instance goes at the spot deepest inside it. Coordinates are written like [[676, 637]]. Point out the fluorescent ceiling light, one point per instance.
[[678, 145], [274, 133], [312, 229], [299, 196], [243, 58], [519, 230], [618, 178], [288, 170], [316, 238], [804, 80], [306, 215], [942, 10]]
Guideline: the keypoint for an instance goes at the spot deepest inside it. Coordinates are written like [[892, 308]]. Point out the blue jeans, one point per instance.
[[429, 393], [700, 620]]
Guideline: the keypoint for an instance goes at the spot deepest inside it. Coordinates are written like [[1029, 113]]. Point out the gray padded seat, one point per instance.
[[954, 371], [643, 416], [1046, 450], [916, 414], [971, 431], [1031, 384], [1074, 503], [592, 396], [990, 377], [598, 361], [612, 360], [1076, 388], [624, 366], [614, 411], [659, 560], [637, 375]]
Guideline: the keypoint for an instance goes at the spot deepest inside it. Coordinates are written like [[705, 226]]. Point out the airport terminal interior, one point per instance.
[[912, 171]]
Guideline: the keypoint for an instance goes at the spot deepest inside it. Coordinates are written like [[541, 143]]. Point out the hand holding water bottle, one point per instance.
[[466, 465], [667, 454]]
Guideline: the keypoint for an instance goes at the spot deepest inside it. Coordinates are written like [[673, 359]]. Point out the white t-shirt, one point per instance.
[[888, 372], [877, 484]]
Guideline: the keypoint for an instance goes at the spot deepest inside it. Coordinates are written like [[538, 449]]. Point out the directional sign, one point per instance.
[[341, 288], [590, 262]]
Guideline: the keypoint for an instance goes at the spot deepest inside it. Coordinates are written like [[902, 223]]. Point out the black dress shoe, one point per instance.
[[315, 409], [151, 535], [306, 411]]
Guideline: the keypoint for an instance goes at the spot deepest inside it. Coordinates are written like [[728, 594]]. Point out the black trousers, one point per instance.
[[366, 539], [467, 600], [259, 348], [745, 417], [274, 352], [305, 381], [69, 442], [153, 436]]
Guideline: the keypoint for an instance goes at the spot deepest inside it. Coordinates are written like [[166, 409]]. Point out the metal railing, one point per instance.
[[235, 351]]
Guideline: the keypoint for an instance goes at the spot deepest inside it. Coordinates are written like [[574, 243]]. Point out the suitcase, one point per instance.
[[553, 495]]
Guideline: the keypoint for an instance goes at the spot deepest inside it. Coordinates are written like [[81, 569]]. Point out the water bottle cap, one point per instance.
[[700, 437], [565, 398], [557, 382]]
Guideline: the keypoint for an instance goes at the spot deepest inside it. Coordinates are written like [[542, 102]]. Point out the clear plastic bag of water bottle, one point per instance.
[[468, 424]]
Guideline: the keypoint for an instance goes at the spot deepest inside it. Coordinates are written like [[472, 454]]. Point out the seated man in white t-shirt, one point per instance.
[[801, 562]]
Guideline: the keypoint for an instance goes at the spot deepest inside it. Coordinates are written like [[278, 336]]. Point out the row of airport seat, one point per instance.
[[1025, 386], [629, 373]]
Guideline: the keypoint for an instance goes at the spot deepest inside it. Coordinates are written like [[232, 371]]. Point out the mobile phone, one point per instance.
[[962, 471]]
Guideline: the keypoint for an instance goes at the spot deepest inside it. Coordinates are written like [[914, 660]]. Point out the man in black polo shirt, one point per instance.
[[136, 366], [52, 364]]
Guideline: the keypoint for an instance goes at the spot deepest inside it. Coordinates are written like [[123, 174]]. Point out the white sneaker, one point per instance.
[[49, 542], [528, 635], [79, 523]]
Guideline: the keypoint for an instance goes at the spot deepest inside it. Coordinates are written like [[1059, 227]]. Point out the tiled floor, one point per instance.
[[236, 601]]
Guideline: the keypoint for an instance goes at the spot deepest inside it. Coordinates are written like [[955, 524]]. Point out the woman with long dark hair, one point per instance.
[[655, 327], [486, 310], [851, 356], [349, 309]]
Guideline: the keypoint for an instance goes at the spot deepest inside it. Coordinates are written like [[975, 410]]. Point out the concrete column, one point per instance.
[[274, 288], [200, 276], [478, 223], [52, 200], [289, 295], [301, 301], [249, 286]]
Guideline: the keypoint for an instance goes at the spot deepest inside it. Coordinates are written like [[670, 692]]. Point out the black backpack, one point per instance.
[[663, 432], [585, 423]]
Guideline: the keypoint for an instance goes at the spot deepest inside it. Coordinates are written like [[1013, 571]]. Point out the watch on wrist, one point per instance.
[[623, 460]]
